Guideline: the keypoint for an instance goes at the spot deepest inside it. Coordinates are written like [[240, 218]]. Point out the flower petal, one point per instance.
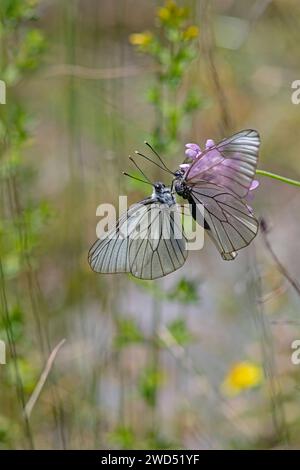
[[209, 143], [192, 150], [193, 146], [254, 185], [191, 153]]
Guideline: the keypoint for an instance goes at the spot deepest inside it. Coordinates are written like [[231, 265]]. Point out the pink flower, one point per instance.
[[254, 185], [209, 143], [192, 151], [214, 168], [250, 195]]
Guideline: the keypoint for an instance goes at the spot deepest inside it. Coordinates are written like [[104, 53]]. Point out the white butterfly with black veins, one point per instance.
[[219, 178], [148, 240]]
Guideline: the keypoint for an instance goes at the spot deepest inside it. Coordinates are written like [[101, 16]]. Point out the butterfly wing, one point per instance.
[[227, 219], [148, 242], [162, 247], [109, 254], [231, 163]]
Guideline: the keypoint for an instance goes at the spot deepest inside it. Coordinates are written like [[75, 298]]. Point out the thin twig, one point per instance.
[[269, 296], [282, 269], [208, 47], [268, 355], [36, 393]]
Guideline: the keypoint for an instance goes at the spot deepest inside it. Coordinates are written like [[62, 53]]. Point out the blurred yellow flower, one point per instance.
[[170, 11], [163, 13], [191, 32], [141, 39], [241, 376]]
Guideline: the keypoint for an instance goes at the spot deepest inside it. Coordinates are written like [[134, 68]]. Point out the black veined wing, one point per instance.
[[148, 242], [227, 219], [231, 163]]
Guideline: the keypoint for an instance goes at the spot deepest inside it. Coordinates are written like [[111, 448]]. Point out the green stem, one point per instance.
[[278, 177]]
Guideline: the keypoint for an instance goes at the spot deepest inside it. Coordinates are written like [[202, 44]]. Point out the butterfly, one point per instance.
[[220, 178], [148, 240]]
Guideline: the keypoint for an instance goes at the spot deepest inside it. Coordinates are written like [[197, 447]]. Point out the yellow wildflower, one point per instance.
[[241, 376], [191, 32], [171, 11], [163, 14], [141, 39]]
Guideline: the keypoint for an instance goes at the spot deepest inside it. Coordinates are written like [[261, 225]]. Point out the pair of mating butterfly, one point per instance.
[[218, 179]]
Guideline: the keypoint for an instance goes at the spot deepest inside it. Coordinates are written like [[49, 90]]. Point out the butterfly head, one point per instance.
[[179, 173], [162, 193]]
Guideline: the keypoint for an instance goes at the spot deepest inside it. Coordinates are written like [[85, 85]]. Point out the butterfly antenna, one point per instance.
[[158, 156], [140, 170], [135, 178], [152, 161]]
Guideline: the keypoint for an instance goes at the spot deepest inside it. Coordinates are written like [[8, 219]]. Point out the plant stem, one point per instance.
[[282, 269], [268, 355], [278, 177]]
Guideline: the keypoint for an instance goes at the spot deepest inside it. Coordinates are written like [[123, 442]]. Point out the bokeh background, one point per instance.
[[202, 358]]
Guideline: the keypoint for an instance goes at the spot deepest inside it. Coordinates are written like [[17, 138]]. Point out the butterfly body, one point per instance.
[[181, 188], [162, 194]]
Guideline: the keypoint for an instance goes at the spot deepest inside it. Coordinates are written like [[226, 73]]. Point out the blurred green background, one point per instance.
[[202, 358]]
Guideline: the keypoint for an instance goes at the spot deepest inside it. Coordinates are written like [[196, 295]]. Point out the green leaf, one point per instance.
[[16, 10], [123, 437], [5, 429], [15, 323], [192, 101], [179, 330], [27, 371], [173, 35], [11, 75], [128, 333], [154, 95], [150, 381], [185, 292], [32, 47]]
